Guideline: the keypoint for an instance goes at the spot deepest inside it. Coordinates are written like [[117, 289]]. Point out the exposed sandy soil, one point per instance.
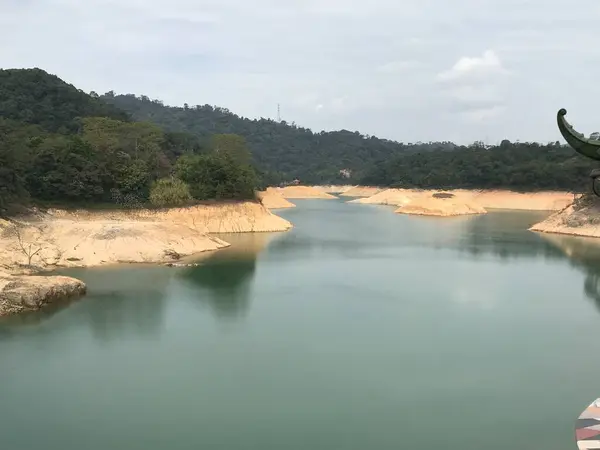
[[69, 243], [272, 199], [80, 238], [536, 201], [582, 218], [85, 238], [531, 201], [334, 189], [361, 191], [303, 192], [440, 207], [234, 217], [394, 197], [29, 293]]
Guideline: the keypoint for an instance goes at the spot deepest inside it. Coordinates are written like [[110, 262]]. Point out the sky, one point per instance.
[[407, 70]]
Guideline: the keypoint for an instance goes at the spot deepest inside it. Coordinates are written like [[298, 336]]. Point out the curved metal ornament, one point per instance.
[[589, 148]]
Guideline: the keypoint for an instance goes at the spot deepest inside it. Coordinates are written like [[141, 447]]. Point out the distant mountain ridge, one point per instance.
[[277, 147], [56, 141]]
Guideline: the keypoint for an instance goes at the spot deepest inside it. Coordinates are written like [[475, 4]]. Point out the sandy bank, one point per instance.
[[492, 199], [361, 191], [582, 218], [234, 217], [531, 201], [272, 199], [92, 238], [334, 189], [30, 293], [440, 207], [303, 192], [394, 197], [70, 243]]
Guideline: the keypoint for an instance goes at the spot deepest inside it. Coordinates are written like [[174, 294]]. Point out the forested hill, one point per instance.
[[35, 97], [284, 150], [517, 166], [59, 145]]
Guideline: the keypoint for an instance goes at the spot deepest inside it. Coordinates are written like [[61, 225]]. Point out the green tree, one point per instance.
[[169, 192]]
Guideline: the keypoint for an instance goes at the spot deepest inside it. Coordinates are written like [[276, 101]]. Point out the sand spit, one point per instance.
[[487, 199], [272, 199], [440, 205], [582, 218], [531, 201], [334, 189], [29, 293], [361, 191], [394, 197], [303, 192]]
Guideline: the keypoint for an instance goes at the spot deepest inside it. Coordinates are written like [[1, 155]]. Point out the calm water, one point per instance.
[[358, 330]]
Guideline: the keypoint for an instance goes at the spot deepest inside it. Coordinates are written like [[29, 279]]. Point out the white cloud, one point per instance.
[[487, 64]]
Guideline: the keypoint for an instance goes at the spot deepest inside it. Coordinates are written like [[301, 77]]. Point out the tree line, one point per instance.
[[285, 152], [517, 166], [61, 145]]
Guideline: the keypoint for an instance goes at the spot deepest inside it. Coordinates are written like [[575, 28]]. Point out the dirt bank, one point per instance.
[[440, 205], [361, 191], [30, 293], [58, 238], [85, 238], [303, 192], [334, 189], [487, 199], [70, 243], [531, 201], [272, 199], [582, 218], [394, 197], [234, 217]]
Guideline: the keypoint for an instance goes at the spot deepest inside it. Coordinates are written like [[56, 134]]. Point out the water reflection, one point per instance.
[[506, 235], [224, 280], [584, 254], [120, 301], [31, 321]]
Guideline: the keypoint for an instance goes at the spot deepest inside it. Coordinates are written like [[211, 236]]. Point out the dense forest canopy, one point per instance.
[[517, 166], [285, 151], [36, 97], [59, 144]]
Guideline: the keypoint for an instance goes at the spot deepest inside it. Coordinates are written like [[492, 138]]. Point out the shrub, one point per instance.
[[169, 192]]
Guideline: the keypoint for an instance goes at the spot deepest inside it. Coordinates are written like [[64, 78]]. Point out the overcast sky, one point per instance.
[[408, 70]]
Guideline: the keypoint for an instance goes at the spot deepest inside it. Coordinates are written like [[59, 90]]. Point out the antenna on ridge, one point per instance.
[[278, 112]]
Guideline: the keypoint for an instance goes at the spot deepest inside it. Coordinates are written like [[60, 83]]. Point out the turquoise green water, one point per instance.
[[359, 329]]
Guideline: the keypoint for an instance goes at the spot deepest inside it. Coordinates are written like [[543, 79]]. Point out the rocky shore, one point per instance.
[[460, 201], [22, 293], [581, 218], [44, 241]]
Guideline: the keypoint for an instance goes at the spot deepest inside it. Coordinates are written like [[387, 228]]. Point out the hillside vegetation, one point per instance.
[[283, 151], [286, 152], [61, 145]]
